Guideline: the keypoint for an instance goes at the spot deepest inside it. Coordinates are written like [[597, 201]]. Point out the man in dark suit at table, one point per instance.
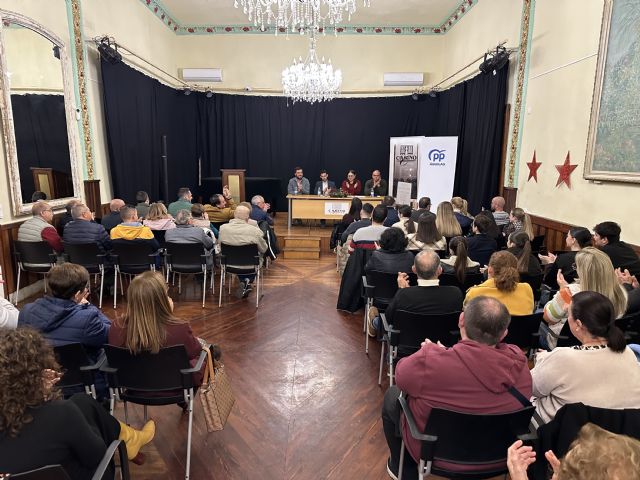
[[324, 186]]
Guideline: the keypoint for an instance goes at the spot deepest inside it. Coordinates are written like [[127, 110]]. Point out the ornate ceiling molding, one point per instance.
[[170, 21]]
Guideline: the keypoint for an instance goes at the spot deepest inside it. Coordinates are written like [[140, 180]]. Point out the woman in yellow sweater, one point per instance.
[[504, 285]]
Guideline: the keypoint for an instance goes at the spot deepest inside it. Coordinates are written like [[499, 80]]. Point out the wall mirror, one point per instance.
[[38, 114]]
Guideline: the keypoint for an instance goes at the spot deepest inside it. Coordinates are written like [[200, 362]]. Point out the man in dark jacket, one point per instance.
[[474, 376], [424, 206], [365, 221], [66, 216], [606, 237], [84, 230], [392, 214], [114, 218], [481, 246], [259, 210]]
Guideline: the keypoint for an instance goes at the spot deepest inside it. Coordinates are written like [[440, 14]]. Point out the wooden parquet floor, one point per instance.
[[307, 399]]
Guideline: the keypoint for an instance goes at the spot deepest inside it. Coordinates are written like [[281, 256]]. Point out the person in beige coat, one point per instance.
[[239, 232]]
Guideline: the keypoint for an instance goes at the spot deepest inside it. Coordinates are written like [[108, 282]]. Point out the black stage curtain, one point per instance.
[[269, 136], [40, 126]]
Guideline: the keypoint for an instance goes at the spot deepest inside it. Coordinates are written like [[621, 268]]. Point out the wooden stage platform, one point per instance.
[[306, 241]]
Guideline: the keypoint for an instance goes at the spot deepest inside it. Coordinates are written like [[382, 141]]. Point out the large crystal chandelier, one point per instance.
[[298, 14], [311, 81]]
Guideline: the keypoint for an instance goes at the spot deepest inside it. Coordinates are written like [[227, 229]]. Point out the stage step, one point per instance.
[[301, 247]]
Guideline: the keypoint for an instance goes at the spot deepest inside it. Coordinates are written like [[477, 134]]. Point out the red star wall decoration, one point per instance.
[[565, 171], [533, 168]]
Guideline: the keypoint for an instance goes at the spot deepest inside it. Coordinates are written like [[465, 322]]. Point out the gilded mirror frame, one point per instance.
[[6, 111]]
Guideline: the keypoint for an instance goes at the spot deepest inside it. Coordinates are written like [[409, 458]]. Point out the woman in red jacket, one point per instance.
[[351, 186]]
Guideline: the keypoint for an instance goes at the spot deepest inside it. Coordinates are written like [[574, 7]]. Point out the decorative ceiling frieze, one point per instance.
[[170, 21]]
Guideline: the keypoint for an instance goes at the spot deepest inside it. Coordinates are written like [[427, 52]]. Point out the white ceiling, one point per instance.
[[380, 13]]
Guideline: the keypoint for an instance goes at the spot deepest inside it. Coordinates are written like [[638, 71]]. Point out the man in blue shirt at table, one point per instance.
[[298, 185]]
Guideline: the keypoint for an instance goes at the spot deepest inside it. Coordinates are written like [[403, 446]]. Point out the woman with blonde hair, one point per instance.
[[519, 220], [461, 214], [446, 222], [149, 323], [158, 218], [504, 285], [38, 428], [596, 274]]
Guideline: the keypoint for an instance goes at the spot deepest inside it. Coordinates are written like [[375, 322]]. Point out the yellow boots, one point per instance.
[[136, 439]]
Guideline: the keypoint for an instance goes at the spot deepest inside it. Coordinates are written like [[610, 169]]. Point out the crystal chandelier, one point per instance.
[[298, 14], [311, 81]]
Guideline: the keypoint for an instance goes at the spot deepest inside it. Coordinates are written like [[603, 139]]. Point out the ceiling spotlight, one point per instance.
[[107, 51], [433, 93], [494, 61], [415, 96], [209, 94], [187, 91], [56, 51]]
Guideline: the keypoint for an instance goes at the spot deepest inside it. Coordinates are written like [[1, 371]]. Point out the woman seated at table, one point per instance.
[[352, 185], [149, 323], [405, 223], [426, 236], [504, 285], [600, 372], [38, 429]]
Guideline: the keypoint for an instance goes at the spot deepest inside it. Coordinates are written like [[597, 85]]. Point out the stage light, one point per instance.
[[494, 61], [187, 91], [107, 52], [209, 94], [56, 51], [415, 96]]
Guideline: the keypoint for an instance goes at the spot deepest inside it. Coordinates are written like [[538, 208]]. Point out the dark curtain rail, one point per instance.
[[269, 136]]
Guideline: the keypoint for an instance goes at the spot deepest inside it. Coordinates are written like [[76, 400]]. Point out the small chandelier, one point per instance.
[[311, 81], [296, 15]]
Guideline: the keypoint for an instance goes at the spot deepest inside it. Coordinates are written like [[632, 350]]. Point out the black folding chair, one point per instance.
[[470, 279], [57, 472], [475, 442], [630, 325], [523, 332], [90, 257], [442, 253], [408, 331], [379, 288], [159, 236], [188, 259], [36, 257], [131, 258], [163, 378], [537, 244], [535, 281], [78, 369], [240, 260]]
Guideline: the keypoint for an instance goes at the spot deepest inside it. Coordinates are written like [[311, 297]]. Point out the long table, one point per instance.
[[318, 207]]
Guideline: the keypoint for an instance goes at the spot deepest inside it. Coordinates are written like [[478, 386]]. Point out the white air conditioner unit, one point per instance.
[[202, 74], [403, 79]]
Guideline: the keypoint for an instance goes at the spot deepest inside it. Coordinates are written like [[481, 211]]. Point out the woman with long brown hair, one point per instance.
[[38, 428], [504, 285], [459, 262], [446, 221], [149, 323], [427, 235], [519, 244]]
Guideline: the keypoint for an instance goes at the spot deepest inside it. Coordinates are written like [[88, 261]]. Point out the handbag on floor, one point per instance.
[[215, 394]]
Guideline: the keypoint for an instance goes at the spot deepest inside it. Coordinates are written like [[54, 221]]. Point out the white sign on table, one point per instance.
[[336, 208], [403, 193]]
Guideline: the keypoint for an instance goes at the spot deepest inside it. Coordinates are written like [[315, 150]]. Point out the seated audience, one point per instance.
[[632, 286], [426, 298], [187, 232], [365, 221], [84, 230], [459, 262], [39, 229], [493, 231], [426, 236], [473, 376], [221, 208], [405, 223], [149, 323], [446, 221], [376, 186], [594, 455], [392, 256], [504, 285], [461, 214], [38, 429], [518, 243], [199, 217], [8, 314], [518, 220], [606, 237], [239, 232], [142, 204], [259, 210], [113, 218], [352, 185], [251, 221], [324, 186], [481, 246], [66, 216], [354, 212], [424, 206], [158, 217], [366, 237], [577, 239], [182, 203], [592, 372], [392, 214], [131, 230], [38, 196], [66, 316], [595, 273], [499, 215]]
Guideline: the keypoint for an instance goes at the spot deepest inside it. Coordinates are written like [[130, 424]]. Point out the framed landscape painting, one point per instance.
[[613, 146]]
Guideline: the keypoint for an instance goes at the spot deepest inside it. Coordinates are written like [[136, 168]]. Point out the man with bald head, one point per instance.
[[376, 185], [499, 215], [428, 297], [114, 218], [84, 230], [239, 232]]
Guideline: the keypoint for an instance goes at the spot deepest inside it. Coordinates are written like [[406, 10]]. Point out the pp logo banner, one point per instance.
[[436, 155]]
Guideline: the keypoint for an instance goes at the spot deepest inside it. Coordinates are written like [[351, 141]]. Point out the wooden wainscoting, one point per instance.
[[9, 234]]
